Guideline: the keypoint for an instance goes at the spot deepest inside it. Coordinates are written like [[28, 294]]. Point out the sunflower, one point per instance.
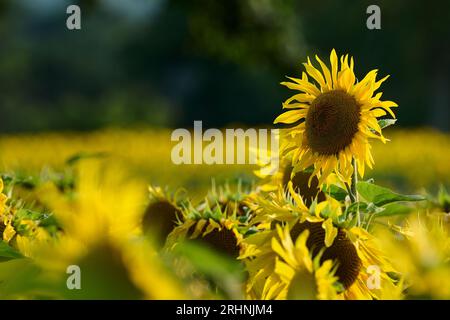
[[163, 213], [420, 250], [101, 233], [309, 191], [353, 249], [296, 273], [211, 228], [332, 121], [18, 225], [7, 231], [219, 224], [220, 221]]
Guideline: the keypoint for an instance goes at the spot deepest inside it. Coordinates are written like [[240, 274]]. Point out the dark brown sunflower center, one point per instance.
[[331, 122], [224, 241], [160, 217], [2, 228], [300, 185], [342, 251]]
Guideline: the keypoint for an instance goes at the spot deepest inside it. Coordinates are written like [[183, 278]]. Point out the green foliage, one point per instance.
[[386, 122], [8, 253], [223, 273], [378, 202], [444, 199], [336, 192], [381, 196]]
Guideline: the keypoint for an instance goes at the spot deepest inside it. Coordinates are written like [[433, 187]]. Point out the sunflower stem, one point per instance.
[[353, 191], [350, 193]]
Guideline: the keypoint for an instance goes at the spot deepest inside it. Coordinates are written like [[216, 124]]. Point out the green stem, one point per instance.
[[353, 190], [354, 180], [350, 193]]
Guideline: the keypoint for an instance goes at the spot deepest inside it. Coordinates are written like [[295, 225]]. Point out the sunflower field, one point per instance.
[[358, 209]]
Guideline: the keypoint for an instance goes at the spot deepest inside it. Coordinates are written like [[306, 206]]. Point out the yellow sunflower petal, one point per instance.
[[330, 232], [290, 116]]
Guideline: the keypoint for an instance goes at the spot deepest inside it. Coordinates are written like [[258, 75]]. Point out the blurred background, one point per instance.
[[169, 62], [165, 63]]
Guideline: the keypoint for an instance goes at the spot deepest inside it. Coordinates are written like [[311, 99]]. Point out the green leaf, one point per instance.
[[354, 207], [444, 198], [351, 221], [223, 271], [394, 209], [380, 196], [8, 253], [383, 123], [336, 192]]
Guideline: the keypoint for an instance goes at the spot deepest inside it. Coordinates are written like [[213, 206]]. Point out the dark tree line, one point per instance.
[[170, 62]]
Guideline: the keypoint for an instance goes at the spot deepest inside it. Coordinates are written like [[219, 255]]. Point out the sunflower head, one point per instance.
[[342, 251], [282, 267], [309, 191], [332, 122], [212, 225], [223, 240], [222, 236], [332, 117], [162, 213], [229, 201], [352, 250]]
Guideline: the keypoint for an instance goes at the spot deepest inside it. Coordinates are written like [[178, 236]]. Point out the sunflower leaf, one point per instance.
[[222, 271], [380, 196], [354, 207], [383, 123], [352, 220], [8, 253], [336, 192], [394, 209]]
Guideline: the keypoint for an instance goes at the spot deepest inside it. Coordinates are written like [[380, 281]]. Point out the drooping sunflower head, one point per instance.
[[163, 213], [342, 250], [222, 236], [305, 184], [332, 118], [300, 180], [211, 225], [352, 250], [281, 266], [307, 276]]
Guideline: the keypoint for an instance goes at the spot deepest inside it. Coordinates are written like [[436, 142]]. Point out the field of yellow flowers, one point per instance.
[[41, 170], [147, 152], [107, 215]]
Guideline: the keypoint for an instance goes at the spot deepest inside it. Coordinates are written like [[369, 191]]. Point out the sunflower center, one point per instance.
[[300, 185], [160, 217], [342, 251], [331, 122], [224, 241]]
